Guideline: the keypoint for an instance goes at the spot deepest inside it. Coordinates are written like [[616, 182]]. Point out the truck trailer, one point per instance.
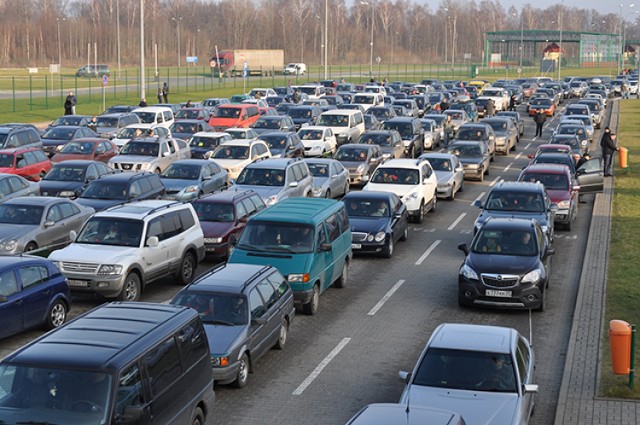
[[259, 62]]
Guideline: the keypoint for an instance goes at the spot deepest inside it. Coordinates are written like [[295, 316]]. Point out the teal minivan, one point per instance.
[[307, 239]]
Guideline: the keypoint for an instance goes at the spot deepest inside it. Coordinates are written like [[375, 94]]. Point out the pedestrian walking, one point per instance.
[[512, 102], [609, 148], [539, 118], [165, 92], [491, 108], [449, 128], [159, 94], [70, 104]]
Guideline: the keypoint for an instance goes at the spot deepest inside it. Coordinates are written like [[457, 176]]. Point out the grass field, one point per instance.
[[623, 291]]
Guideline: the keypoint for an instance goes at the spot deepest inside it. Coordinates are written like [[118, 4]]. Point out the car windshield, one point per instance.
[[277, 237], [191, 114], [396, 176], [216, 308], [571, 129], [130, 133], [550, 181], [111, 231], [334, 120], [365, 100], [58, 133], [405, 129], [20, 214], [36, 395], [181, 127], [572, 142], [261, 177], [318, 170], [276, 142], [223, 112], [106, 121], [105, 190], [499, 126], [554, 159], [351, 154], [465, 151], [147, 117], [67, 120], [209, 211], [466, 370], [300, 113], [367, 208], [504, 242], [6, 160], [540, 102], [141, 148], [310, 134], [376, 139], [204, 142], [62, 172], [231, 152], [79, 148], [470, 134], [181, 171], [515, 201], [440, 164]]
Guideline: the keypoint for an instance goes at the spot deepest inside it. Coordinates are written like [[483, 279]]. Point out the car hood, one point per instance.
[[558, 195], [106, 130], [477, 408], [320, 181], [229, 163], [301, 120], [132, 158], [443, 176], [502, 264], [59, 157], [224, 122], [103, 254], [399, 189], [178, 184], [215, 229], [264, 191], [53, 187], [539, 217], [99, 204], [369, 224], [15, 231], [222, 338], [352, 165]]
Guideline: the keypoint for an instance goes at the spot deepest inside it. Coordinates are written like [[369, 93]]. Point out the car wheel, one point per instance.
[[513, 148], [198, 417], [387, 251], [311, 307], [131, 288], [486, 171], [282, 337], [461, 188], [242, 377], [453, 193], [342, 280], [57, 315], [405, 234], [187, 269], [420, 217], [481, 179], [31, 246], [434, 204], [328, 194], [493, 156]]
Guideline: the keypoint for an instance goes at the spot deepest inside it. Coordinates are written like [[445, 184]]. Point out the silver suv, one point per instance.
[[122, 249]]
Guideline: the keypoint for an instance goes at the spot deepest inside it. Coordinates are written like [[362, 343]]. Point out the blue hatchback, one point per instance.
[[33, 293]]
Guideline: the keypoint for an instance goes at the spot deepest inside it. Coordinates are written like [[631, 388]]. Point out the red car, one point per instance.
[[93, 149], [30, 163], [561, 187]]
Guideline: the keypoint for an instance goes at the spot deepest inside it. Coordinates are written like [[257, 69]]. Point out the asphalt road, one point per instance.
[[349, 353]]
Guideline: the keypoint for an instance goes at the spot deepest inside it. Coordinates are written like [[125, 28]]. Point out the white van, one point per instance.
[[368, 100], [295, 69], [347, 124], [159, 115]]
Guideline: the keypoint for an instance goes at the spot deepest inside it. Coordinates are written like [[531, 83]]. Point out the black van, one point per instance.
[[120, 363]]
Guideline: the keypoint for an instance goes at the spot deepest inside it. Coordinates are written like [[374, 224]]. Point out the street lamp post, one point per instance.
[[59, 43], [521, 35], [453, 41], [446, 35], [326, 35], [118, 33], [177, 20], [393, 42], [560, 44], [371, 43], [142, 76]]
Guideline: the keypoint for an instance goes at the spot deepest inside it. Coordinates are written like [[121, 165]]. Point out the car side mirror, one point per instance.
[[464, 248], [73, 235], [529, 389], [478, 203], [152, 242], [459, 168], [404, 377], [553, 207], [131, 415], [49, 223], [293, 184], [259, 321], [325, 247]]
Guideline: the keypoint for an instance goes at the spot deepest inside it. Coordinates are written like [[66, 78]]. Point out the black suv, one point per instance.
[[284, 144], [411, 132], [19, 137], [246, 309], [506, 266], [113, 189]]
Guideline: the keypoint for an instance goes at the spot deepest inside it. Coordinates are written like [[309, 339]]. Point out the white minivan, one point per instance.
[[346, 124], [295, 69], [159, 115]]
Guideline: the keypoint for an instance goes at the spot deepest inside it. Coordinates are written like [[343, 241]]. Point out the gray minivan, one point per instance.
[[120, 363], [19, 137]]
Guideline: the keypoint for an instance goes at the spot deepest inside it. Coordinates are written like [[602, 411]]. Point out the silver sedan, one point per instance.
[[12, 186], [449, 172], [330, 178]]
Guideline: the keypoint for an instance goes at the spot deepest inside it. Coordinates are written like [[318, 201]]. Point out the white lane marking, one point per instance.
[[518, 156], [478, 198], [495, 181], [316, 372], [427, 252], [527, 147], [457, 220], [386, 297], [507, 167], [534, 139]]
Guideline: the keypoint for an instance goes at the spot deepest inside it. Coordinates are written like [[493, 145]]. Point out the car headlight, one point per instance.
[[412, 196], [219, 361], [144, 166], [545, 229], [468, 272], [564, 204], [10, 245], [532, 277], [67, 194], [271, 200], [474, 166], [380, 236], [110, 270], [317, 191], [300, 277], [360, 168], [191, 189], [212, 240]]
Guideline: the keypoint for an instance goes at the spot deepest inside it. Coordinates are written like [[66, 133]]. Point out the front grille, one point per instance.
[[80, 267], [499, 280], [358, 236]]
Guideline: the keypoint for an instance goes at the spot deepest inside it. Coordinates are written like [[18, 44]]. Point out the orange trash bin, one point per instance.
[[623, 157], [620, 340]]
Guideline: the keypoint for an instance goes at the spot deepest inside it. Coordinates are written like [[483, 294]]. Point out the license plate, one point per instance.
[[356, 246], [74, 282], [492, 293]]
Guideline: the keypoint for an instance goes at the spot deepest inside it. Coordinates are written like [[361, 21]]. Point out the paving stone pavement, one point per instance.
[[578, 403]]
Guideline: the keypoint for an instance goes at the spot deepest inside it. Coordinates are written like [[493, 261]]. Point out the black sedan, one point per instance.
[[474, 157], [68, 179], [54, 139], [378, 220], [507, 266]]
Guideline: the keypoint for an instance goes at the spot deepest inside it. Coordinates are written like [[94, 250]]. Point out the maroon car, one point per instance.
[[92, 149], [223, 217]]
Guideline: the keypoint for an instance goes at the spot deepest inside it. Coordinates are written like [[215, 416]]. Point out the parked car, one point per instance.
[[68, 179], [389, 141], [93, 149], [30, 163], [162, 116], [304, 115], [273, 123], [246, 309], [411, 132], [188, 179], [108, 126], [54, 139], [330, 178], [382, 112], [37, 222], [234, 115], [570, 140], [480, 132], [317, 140], [360, 160], [186, 128], [12, 186], [206, 141], [390, 413], [79, 120], [150, 154], [378, 220], [371, 123], [284, 144], [241, 133], [223, 216], [474, 157], [449, 173], [505, 132], [462, 363], [545, 105], [109, 190], [20, 136], [517, 119], [134, 131], [234, 155]]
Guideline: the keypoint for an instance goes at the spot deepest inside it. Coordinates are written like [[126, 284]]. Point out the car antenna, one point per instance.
[[407, 409], [530, 329]]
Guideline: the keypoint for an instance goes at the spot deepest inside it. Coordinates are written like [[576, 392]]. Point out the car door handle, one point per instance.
[[19, 302], [47, 292]]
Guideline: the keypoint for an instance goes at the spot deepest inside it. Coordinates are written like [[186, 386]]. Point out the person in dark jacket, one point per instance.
[[165, 92], [609, 148], [444, 105], [70, 104], [539, 118], [584, 158], [512, 102], [143, 103], [491, 108]]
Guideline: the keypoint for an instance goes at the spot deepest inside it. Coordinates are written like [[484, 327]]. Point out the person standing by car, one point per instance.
[[491, 108], [609, 147], [70, 104], [512, 102], [539, 118], [449, 129], [159, 94], [165, 92], [444, 105]]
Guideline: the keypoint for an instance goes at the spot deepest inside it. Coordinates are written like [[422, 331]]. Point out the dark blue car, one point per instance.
[[33, 293]]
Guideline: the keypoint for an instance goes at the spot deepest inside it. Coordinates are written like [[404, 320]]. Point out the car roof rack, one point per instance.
[[254, 276], [163, 207]]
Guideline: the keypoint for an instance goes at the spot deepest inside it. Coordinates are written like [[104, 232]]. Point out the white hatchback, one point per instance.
[[317, 140], [234, 155]]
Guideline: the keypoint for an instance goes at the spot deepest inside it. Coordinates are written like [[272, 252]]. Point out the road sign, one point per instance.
[[245, 70], [378, 59], [212, 63], [467, 55], [105, 80], [519, 70]]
